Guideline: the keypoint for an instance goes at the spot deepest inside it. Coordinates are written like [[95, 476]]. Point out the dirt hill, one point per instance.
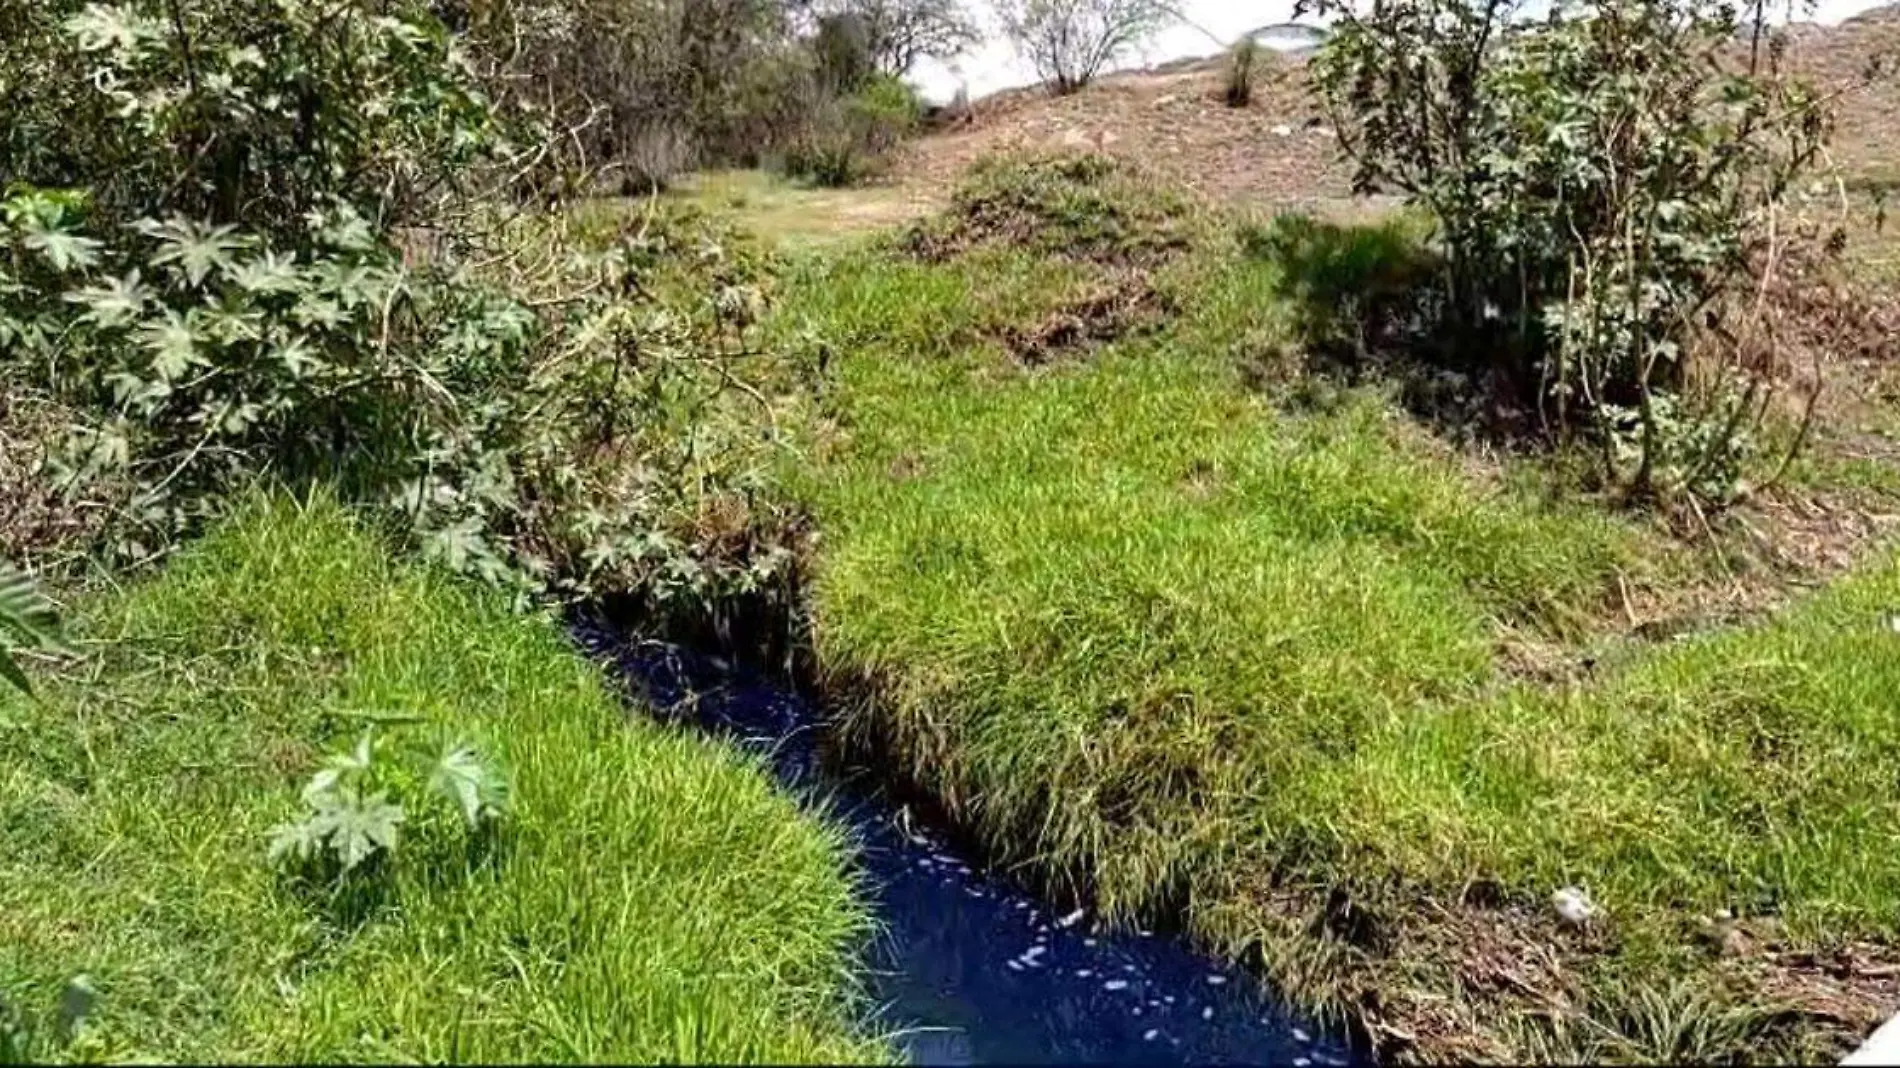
[[1281, 151]]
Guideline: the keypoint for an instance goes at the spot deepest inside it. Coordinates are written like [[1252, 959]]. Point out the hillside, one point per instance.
[[1282, 152]]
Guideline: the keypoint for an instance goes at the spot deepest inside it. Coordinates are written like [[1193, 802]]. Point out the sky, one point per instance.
[[1211, 26]]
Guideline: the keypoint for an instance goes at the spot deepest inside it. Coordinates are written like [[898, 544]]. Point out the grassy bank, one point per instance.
[[649, 897], [1161, 638]]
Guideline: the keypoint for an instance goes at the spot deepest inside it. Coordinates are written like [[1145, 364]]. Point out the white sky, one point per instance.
[[1213, 25]]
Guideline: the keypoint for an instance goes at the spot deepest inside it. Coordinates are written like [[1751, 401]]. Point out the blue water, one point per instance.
[[971, 969]]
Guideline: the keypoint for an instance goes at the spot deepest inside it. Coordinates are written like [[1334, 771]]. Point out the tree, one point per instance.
[[1606, 180], [898, 33], [1071, 41]]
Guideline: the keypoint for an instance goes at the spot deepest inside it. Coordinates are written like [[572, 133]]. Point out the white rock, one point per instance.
[[1573, 905], [1283, 131]]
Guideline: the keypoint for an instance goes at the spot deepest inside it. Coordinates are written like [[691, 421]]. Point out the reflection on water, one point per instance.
[[971, 969]]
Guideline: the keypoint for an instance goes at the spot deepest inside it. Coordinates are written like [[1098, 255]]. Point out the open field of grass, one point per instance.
[[1164, 640], [795, 215], [650, 896]]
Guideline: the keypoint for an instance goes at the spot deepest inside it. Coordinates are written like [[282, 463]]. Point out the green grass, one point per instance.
[[797, 216], [652, 897], [1152, 635]]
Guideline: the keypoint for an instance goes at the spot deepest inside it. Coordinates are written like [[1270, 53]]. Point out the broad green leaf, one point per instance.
[[113, 302], [65, 250], [102, 27], [469, 783], [196, 249], [358, 828], [27, 620], [173, 343], [298, 841], [269, 273]]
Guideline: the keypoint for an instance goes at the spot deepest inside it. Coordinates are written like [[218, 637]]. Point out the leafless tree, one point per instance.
[[1071, 41], [900, 32]]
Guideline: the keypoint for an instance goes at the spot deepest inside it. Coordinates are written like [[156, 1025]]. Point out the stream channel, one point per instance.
[[969, 967]]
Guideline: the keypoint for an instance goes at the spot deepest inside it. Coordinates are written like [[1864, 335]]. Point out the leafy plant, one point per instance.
[[342, 300], [351, 818], [26, 619], [1604, 180]]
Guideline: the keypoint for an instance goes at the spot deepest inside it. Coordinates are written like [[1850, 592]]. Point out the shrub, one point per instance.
[[644, 89], [847, 141], [1241, 63], [176, 109], [1354, 292], [1090, 207], [1071, 41], [544, 415], [1602, 179]]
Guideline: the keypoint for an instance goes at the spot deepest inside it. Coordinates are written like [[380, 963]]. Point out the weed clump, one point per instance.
[[1123, 305], [1086, 207]]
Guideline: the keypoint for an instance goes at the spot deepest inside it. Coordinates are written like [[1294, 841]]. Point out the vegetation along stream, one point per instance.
[[969, 968]]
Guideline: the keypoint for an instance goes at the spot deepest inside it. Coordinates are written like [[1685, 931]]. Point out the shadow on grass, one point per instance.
[[1367, 301]]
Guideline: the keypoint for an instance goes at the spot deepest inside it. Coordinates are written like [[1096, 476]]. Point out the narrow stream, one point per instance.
[[971, 969]]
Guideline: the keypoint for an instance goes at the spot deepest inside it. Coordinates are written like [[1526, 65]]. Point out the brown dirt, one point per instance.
[[1280, 152], [1518, 974], [40, 527], [1123, 304]]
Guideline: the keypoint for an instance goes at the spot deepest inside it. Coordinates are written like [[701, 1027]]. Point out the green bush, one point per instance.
[[177, 109], [847, 141], [540, 412], [1354, 292], [1604, 181]]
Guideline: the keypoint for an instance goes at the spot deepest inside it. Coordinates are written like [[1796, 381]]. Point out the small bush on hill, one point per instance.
[[1603, 179], [1242, 62], [1089, 207]]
